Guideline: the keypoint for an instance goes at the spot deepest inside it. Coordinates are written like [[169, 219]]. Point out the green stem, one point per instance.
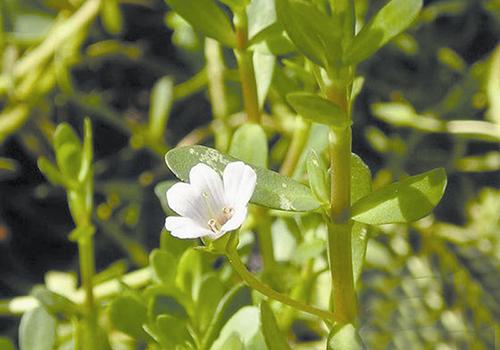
[[87, 271], [299, 140], [244, 57], [266, 245], [343, 298], [217, 91], [254, 283]]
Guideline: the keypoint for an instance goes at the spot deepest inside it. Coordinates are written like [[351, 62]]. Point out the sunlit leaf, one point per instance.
[[264, 69], [250, 145], [312, 31], [261, 14], [344, 337], [161, 100], [404, 201], [37, 330], [245, 323], [128, 316], [164, 266], [272, 190], [238, 297], [318, 109], [206, 17], [391, 20]]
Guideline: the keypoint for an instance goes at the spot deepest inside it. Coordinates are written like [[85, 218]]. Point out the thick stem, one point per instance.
[[254, 283], [244, 57], [343, 298]]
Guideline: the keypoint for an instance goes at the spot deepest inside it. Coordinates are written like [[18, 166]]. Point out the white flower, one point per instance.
[[208, 205]]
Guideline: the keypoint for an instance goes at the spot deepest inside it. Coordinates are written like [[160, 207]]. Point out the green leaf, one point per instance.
[[250, 145], [313, 32], [317, 173], [128, 316], [390, 21], [161, 100], [344, 337], [69, 160], [275, 340], [112, 17], [173, 245], [261, 14], [51, 172], [207, 18], [164, 266], [211, 292], [318, 109], [161, 192], [272, 189], [359, 242], [54, 303], [189, 272], [167, 305], [37, 330], [238, 297], [235, 5], [87, 151], [246, 324], [233, 342], [404, 201], [172, 331], [264, 69], [6, 343], [65, 134], [361, 178]]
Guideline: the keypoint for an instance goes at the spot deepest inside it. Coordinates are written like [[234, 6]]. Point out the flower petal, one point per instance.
[[208, 183], [239, 184], [187, 201], [185, 228], [239, 215]]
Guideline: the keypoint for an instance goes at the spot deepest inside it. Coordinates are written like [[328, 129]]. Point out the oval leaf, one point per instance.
[[207, 18], [128, 316], [404, 201], [250, 145], [344, 337], [318, 109], [37, 330], [272, 190], [390, 21], [312, 31]]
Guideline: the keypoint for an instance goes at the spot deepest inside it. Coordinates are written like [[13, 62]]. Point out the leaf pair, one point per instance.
[[318, 37]]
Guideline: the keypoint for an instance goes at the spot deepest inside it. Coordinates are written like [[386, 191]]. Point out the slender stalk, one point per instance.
[[266, 245], [254, 283], [87, 271], [299, 140], [246, 69], [217, 93]]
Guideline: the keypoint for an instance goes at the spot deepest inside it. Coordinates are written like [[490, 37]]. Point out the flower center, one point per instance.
[[215, 224]]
